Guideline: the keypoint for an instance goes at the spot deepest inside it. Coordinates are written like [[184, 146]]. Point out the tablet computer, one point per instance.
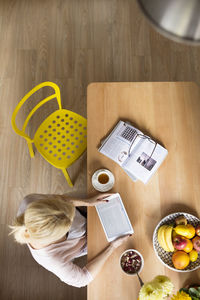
[[114, 218]]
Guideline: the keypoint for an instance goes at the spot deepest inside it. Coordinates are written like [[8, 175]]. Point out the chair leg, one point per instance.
[[67, 177], [30, 147]]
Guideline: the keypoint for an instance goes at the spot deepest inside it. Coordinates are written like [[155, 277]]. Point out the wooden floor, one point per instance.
[[72, 43]]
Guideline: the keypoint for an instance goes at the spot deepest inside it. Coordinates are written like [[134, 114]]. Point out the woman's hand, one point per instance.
[[98, 199], [118, 242]]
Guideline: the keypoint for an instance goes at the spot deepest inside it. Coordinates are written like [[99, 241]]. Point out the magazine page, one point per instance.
[[114, 218], [130, 175], [142, 163], [117, 145]]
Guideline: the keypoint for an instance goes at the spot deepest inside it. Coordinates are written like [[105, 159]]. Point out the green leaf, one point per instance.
[[194, 298], [184, 290], [194, 292]]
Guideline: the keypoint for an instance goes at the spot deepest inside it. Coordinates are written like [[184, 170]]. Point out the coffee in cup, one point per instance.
[[103, 178]]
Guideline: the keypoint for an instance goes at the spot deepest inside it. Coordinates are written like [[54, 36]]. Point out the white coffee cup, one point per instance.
[[103, 180]]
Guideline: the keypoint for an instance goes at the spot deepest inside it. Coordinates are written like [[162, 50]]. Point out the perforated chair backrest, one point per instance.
[[56, 95]]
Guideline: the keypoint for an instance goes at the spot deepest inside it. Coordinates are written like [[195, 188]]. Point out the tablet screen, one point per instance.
[[114, 218]]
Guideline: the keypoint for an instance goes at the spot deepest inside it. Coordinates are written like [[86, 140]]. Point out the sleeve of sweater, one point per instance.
[[71, 274], [76, 276], [67, 271]]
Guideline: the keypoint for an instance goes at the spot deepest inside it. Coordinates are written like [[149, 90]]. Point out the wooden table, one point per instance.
[[169, 112]]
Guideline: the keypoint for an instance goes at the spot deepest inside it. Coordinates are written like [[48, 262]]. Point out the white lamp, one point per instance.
[[176, 19]]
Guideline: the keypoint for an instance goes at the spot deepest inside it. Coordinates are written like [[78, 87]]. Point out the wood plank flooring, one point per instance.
[[72, 43]]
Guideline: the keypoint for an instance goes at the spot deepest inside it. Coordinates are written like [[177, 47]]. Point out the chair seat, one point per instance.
[[62, 138]]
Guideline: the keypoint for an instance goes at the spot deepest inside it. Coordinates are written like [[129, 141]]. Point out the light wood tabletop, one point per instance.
[[170, 113]]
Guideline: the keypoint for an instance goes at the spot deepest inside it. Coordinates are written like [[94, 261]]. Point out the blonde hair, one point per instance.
[[44, 221]]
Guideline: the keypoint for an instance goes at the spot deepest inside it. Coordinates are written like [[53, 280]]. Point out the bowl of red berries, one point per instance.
[[131, 262]]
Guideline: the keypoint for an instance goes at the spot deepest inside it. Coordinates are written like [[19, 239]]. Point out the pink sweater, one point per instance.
[[57, 258]]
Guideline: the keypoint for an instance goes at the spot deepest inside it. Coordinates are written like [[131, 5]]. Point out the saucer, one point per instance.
[[103, 187]]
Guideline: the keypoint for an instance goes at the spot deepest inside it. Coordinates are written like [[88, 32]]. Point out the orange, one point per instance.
[[180, 260], [193, 255], [189, 246]]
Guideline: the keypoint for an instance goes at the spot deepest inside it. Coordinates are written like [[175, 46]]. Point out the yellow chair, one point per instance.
[[62, 136]]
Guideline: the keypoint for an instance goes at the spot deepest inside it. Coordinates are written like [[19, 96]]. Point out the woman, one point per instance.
[[55, 232]]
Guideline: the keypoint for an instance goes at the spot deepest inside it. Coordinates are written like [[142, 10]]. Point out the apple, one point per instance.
[[179, 242], [196, 243], [197, 230]]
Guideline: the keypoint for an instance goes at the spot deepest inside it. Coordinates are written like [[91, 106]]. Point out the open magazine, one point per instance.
[[114, 218], [137, 154]]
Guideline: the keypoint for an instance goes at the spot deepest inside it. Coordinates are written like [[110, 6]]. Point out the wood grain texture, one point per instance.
[[71, 43], [170, 113]]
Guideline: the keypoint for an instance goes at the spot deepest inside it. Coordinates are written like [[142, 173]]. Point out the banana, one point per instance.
[[168, 238], [161, 237], [166, 247]]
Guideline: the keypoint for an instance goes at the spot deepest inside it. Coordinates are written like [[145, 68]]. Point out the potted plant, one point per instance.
[[161, 287], [191, 292]]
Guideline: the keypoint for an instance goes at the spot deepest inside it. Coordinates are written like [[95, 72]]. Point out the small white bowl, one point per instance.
[[103, 187], [142, 261]]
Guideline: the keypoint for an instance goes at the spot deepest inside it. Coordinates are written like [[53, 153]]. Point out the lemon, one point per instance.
[[193, 255]]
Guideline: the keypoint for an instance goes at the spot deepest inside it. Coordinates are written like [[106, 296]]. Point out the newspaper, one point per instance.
[[114, 218], [137, 154]]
